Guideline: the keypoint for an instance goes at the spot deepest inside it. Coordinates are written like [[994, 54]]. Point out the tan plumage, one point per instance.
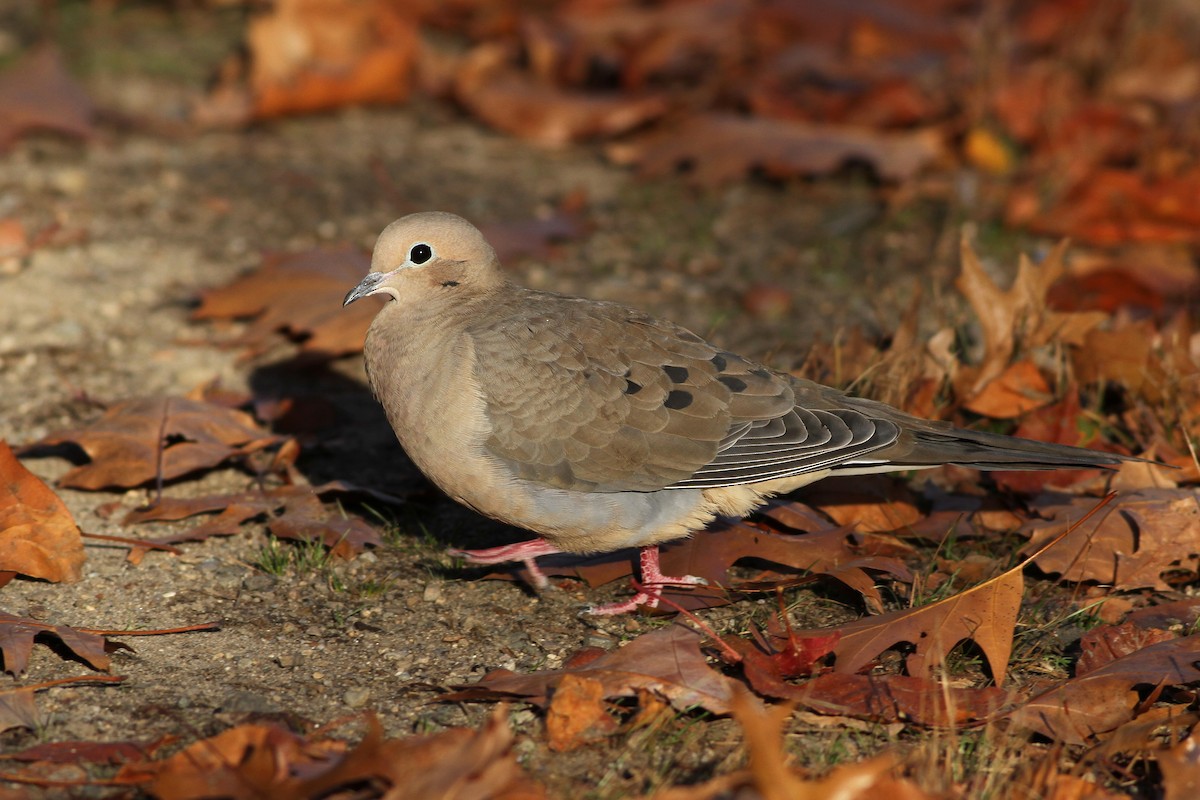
[[599, 427]]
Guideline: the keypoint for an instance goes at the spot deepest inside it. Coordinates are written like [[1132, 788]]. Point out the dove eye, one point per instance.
[[420, 253]]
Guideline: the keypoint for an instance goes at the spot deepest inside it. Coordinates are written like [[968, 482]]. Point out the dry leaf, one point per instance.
[[38, 94], [1131, 544], [139, 440], [292, 512], [305, 56], [38, 535], [512, 102], [667, 662], [721, 147], [577, 714], [17, 636], [1076, 711], [299, 295]]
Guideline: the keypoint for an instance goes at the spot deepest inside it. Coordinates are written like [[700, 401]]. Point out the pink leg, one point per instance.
[[653, 582], [528, 552]]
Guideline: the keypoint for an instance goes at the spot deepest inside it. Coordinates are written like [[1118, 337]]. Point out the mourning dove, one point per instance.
[[599, 427]]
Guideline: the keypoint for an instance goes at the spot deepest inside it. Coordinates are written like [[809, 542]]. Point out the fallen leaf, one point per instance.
[[137, 441], [304, 56], [292, 512], [1017, 319], [38, 535], [1017, 390], [17, 637], [721, 147], [712, 554], [577, 714], [1132, 544], [899, 698], [256, 761], [298, 295], [985, 614], [1077, 710], [508, 100], [38, 94], [1180, 766], [1106, 644], [667, 662]]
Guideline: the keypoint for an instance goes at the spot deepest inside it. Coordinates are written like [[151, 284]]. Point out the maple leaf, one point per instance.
[[139, 440], [38, 535], [666, 662]]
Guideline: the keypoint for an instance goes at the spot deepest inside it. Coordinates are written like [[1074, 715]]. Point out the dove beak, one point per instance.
[[369, 285]]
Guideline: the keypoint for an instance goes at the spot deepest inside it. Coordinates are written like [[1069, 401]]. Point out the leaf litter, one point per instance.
[[805, 90]]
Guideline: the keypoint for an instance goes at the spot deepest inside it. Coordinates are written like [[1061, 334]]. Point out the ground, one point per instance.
[[104, 318]]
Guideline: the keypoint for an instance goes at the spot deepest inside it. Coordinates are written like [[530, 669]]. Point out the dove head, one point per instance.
[[429, 255]]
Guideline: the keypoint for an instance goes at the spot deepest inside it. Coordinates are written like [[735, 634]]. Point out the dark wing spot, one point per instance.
[[759, 372], [676, 374], [734, 384], [631, 387], [678, 399], [719, 362]]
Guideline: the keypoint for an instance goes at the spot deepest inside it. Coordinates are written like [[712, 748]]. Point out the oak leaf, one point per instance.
[[139, 440], [1145, 535]]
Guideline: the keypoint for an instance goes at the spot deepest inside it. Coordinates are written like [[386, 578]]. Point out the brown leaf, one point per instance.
[[305, 56], [1114, 205], [985, 614], [1132, 544], [38, 535], [667, 662], [18, 708], [722, 147], [711, 555], [1017, 390], [1077, 710], [1017, 319], [39, 94], [490, 88], [17, 636], [299, 295], [577, 714], [293, 512], [1180, 768], [137, 440], [899, 698], [1106, 644]]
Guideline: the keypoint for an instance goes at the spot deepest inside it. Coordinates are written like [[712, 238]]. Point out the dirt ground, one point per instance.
[[107, 318]]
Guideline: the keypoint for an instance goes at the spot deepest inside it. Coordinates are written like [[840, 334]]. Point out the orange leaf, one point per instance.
[[38, 535], [1018, 389]]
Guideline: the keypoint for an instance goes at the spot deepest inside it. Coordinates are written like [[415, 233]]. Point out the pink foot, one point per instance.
[[526, 552], [653, 582]]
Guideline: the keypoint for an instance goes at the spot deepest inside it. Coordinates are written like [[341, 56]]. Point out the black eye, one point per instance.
[[420, 253]]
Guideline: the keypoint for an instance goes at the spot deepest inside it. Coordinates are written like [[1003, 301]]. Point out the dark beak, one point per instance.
[[368, 285]]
